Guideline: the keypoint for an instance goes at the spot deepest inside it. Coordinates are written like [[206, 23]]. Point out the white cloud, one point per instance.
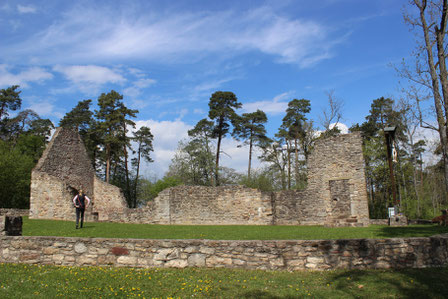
[[23, 9], [277, 105], [143, 83], [236, 155], [90, 74], [212, 85], [101, 34], [167, 135], [182, 113], [135, 89], [199, 111], [22, 78], [343, 128], [90, 78], [44, 108]]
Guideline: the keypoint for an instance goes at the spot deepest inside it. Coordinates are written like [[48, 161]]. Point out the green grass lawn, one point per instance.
[[39, 281], [32, 281], [33, 227]]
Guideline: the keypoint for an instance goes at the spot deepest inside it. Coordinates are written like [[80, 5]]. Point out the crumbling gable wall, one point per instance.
[[61, 172]]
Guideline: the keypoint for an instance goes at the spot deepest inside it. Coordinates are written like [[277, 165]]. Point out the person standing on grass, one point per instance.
[[80, 204]]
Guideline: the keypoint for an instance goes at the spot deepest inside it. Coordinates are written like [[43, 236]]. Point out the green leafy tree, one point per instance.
[[112, 118], [163, 184], [276, 154], [191, 163], [201, 136], [15, 177], [294, 123], [261, 179], [126, 143], [144, 138], [222, 107], [9, 100], [382, 114], [250, 128], [82, 118], [79, 117]]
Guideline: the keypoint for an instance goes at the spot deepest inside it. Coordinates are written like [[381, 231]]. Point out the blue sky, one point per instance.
[[168, 57]]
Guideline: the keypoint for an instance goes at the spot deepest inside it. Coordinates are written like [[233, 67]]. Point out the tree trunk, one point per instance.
[[435, 80], [296, 154], [138, 171], [209, 163], [126, 169], [288, 148], [107, 163], [217, 160], [250, 158]]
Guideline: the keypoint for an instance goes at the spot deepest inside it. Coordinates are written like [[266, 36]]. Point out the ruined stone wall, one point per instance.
[[223, 205], [336, 193], [287, 206], [14, 212], [66, 159], [51, 198], [108, 200], [266, 255], [61, 172]]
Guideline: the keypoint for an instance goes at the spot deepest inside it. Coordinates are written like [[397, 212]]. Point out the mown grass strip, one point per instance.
[[33, 281], [32, 227]]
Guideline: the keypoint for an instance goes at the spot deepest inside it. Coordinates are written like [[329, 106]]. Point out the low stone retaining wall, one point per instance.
[[14, 212], [379, 221], [268, 255]]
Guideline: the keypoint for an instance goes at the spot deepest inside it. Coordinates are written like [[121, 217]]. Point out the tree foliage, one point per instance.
[[22, 141], [250, 129], [222, 107]]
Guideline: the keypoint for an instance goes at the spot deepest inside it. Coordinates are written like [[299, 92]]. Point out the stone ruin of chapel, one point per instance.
[[335, 196]]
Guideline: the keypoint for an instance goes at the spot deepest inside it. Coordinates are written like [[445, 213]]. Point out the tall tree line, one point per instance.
[[22, 140], [106, 134], [420, 191], [197, 159]]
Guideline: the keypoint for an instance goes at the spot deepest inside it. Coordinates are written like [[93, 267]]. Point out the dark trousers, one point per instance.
[[79, 213]]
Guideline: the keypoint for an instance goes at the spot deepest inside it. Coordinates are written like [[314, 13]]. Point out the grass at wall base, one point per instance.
[[38, 227]]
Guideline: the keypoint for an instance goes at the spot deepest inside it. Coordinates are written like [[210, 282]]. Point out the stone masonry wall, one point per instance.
[[336, 158], [14, 212], [51, 198], [223, 205], [287, 206], [109, 200], [61, 172], [266, 255], [336, 193], [66, 159]]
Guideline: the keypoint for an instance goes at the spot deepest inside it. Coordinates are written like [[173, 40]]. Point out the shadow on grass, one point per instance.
[[411, 231], [411, 283]]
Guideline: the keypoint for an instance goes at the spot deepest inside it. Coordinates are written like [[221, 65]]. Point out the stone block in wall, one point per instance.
[[14, 212], [398, 220], [291, 255], [10, 225]]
